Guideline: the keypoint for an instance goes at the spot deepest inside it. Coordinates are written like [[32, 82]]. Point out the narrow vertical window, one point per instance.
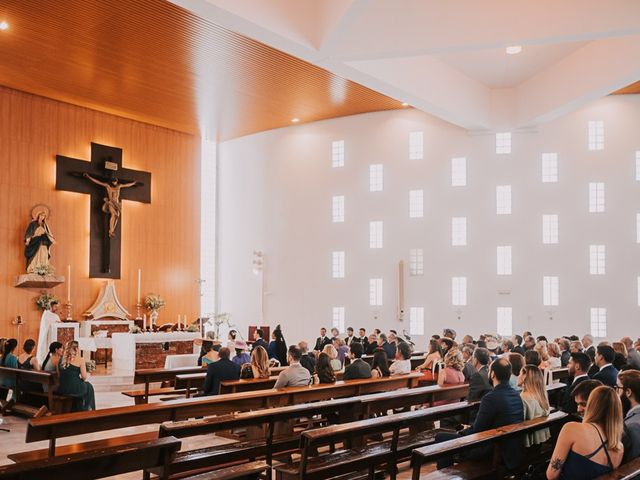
[[458, 231], [416, 320], [550, 229], [596, 135], [596, 197], [638, 165], [637, 227], [337, 153], [416, 146], [458, 172], [505, 321], [375, 292], [597, 259], [504, 260], [599, 322], [549, 167], [375, 234], [375, 177], [416, 203], [416, 262], [459, 291], [551, 291], [503, 143], [338, 318], [337, 209], [337, 264], [503, 199]]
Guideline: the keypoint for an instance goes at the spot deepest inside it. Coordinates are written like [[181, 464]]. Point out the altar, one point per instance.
[[64, 332], [131, 351]]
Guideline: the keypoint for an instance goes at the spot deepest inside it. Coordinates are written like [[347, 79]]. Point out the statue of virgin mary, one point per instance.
[[38, 239]]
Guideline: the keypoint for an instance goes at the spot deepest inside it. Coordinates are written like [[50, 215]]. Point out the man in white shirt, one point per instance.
[[402, 365], [49, 317]]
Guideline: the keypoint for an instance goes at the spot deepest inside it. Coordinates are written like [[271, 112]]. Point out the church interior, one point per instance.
[[319, 239]]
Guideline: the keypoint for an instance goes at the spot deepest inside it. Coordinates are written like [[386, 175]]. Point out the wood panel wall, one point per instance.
[[161, 238]]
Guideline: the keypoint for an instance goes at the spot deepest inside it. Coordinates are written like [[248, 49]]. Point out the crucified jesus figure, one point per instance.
[[111, 204]]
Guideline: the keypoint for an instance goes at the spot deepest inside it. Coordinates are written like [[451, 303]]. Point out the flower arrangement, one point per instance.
[[135, 329], [194, 327], [43, 270], [44, 300], [91, 366], [153, 302]]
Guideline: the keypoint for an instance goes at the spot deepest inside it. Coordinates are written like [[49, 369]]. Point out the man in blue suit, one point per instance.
[[607, 373], [220, 370], [501, 406]]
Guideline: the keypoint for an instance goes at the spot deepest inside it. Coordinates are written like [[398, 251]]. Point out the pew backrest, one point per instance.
[[626, 471]]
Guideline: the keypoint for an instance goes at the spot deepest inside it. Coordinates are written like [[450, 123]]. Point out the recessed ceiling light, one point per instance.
[[405, 104], [4, 25], [295, 120], [514, 49]]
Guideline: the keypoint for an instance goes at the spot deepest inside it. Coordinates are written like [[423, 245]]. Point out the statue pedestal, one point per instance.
[[32, 280]]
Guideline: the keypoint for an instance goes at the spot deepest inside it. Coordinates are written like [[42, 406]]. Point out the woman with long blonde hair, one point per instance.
[[592, 448], [73, 378], [259, 366], [331, 351], [541, 348], [534, 401]]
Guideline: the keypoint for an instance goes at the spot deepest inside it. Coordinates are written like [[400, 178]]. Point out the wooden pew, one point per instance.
[[491, 468], [347, 460], [28, 401], [626, 471], [106, 462], [266, 446], [155, 375], [65, 425], [245, 471]]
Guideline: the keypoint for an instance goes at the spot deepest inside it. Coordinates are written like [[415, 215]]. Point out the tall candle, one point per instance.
[[139, 275], [68, 283], [144, 321]]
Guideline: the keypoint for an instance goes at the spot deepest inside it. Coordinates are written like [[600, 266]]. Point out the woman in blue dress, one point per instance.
[[73, 379], [9, 360], [587, 450]]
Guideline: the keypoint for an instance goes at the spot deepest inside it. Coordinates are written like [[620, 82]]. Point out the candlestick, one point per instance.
[[138, 308], [144, 322], [139, 276], [69, 314], [69, 284], [178, 321]]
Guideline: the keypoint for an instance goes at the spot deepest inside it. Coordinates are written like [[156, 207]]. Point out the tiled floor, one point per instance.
[[13, 441]]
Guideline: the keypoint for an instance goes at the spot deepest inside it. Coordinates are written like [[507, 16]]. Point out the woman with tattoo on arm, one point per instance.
[[592, 448]]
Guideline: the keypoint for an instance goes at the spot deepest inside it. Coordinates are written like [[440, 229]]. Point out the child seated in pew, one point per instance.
[[592, 448]]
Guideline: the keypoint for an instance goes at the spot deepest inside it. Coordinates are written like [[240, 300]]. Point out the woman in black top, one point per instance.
[[380, 364], [280, 347], [324, 370]]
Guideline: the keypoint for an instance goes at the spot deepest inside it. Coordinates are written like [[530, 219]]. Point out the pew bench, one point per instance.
[[246, 471], [147, 376], [626, 471], [100, 463], [358, 453], [69, 424], [473, 469], [272, 443], [27, 402]]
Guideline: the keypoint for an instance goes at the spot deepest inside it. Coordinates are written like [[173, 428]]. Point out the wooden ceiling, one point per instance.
[[634, 88], [152, 61]]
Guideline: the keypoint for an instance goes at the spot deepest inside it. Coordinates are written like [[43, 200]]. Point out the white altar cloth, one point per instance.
[[124, 346], [178, 361]]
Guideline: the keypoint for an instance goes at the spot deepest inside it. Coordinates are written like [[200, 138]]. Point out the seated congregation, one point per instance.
[[489, 407]]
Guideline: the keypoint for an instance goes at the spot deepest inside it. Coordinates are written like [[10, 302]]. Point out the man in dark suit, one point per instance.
[[322, 341], [589, 349], [358, 368], [517, 345], [389, 348], [479, 383], [608, 374], [258, 339], [349, 338], [578, 365], [220, 370], [362, 338], [499, 407], [307, 360]]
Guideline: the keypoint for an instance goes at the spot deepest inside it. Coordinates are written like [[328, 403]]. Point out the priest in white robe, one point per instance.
[[49, 317]]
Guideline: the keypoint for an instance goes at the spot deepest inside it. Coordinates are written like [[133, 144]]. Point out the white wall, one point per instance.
[[275, 195]]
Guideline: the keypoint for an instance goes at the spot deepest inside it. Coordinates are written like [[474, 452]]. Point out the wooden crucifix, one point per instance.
[[108, 184]]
